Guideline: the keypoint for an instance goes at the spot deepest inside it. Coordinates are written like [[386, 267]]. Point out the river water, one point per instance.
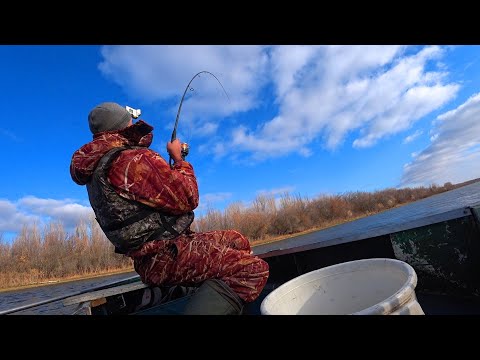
[[16, 298]]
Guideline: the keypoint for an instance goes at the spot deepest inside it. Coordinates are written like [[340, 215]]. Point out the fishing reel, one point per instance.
[[185, 150]]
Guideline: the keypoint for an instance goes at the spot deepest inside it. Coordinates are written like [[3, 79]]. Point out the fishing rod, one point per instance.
[[185, 147]]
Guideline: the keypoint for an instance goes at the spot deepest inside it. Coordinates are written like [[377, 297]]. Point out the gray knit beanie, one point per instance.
[[108, 116]]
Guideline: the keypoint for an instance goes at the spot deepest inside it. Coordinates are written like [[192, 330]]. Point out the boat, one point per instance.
[[438, 236]]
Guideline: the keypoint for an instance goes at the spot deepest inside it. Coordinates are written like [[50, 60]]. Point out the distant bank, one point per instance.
[[68, 279]]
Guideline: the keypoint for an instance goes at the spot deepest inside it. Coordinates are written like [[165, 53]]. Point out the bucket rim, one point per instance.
[[399, 298]]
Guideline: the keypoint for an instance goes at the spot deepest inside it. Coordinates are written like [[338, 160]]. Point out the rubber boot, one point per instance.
[[214, 297]]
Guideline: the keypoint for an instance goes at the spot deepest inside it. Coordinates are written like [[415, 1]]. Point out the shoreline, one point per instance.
[[67, 279]]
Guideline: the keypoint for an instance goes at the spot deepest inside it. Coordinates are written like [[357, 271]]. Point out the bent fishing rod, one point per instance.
[[185, 147]]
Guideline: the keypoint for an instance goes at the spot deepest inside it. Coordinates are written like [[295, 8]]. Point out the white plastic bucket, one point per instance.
[[360, 287]]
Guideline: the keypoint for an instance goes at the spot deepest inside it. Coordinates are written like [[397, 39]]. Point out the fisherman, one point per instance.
[[145, 208]]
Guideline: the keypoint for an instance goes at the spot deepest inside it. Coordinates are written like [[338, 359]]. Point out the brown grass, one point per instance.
[[37, 257], [269, 220], [32, 284]]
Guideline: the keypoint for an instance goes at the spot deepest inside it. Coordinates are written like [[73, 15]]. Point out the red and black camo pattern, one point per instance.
[[140, 174], [194, 257]]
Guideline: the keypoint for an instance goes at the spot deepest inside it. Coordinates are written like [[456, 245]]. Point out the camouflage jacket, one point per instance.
[[134, 193]]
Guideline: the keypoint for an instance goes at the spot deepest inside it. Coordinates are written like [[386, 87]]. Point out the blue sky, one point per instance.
[[307, 120]]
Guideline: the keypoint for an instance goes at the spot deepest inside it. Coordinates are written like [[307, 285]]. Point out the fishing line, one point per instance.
[[185, 148]]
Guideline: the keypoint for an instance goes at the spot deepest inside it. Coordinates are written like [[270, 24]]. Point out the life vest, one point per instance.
[[127, 223]]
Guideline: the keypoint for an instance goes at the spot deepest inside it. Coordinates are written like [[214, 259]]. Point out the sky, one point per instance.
[[306, 120]]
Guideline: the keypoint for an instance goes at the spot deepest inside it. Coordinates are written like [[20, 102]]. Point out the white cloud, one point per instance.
[[9, 135], [208, 200], [276, 191], [321, 92], [412, 137], [163, 72], [30, 210], [11, 219], [454, 151], [206, 129], [216, 197]]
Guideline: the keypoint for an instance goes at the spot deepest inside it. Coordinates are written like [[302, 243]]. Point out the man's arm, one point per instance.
[[148, 178]]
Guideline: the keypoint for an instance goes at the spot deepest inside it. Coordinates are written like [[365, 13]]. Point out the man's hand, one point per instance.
[[174, 149]]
